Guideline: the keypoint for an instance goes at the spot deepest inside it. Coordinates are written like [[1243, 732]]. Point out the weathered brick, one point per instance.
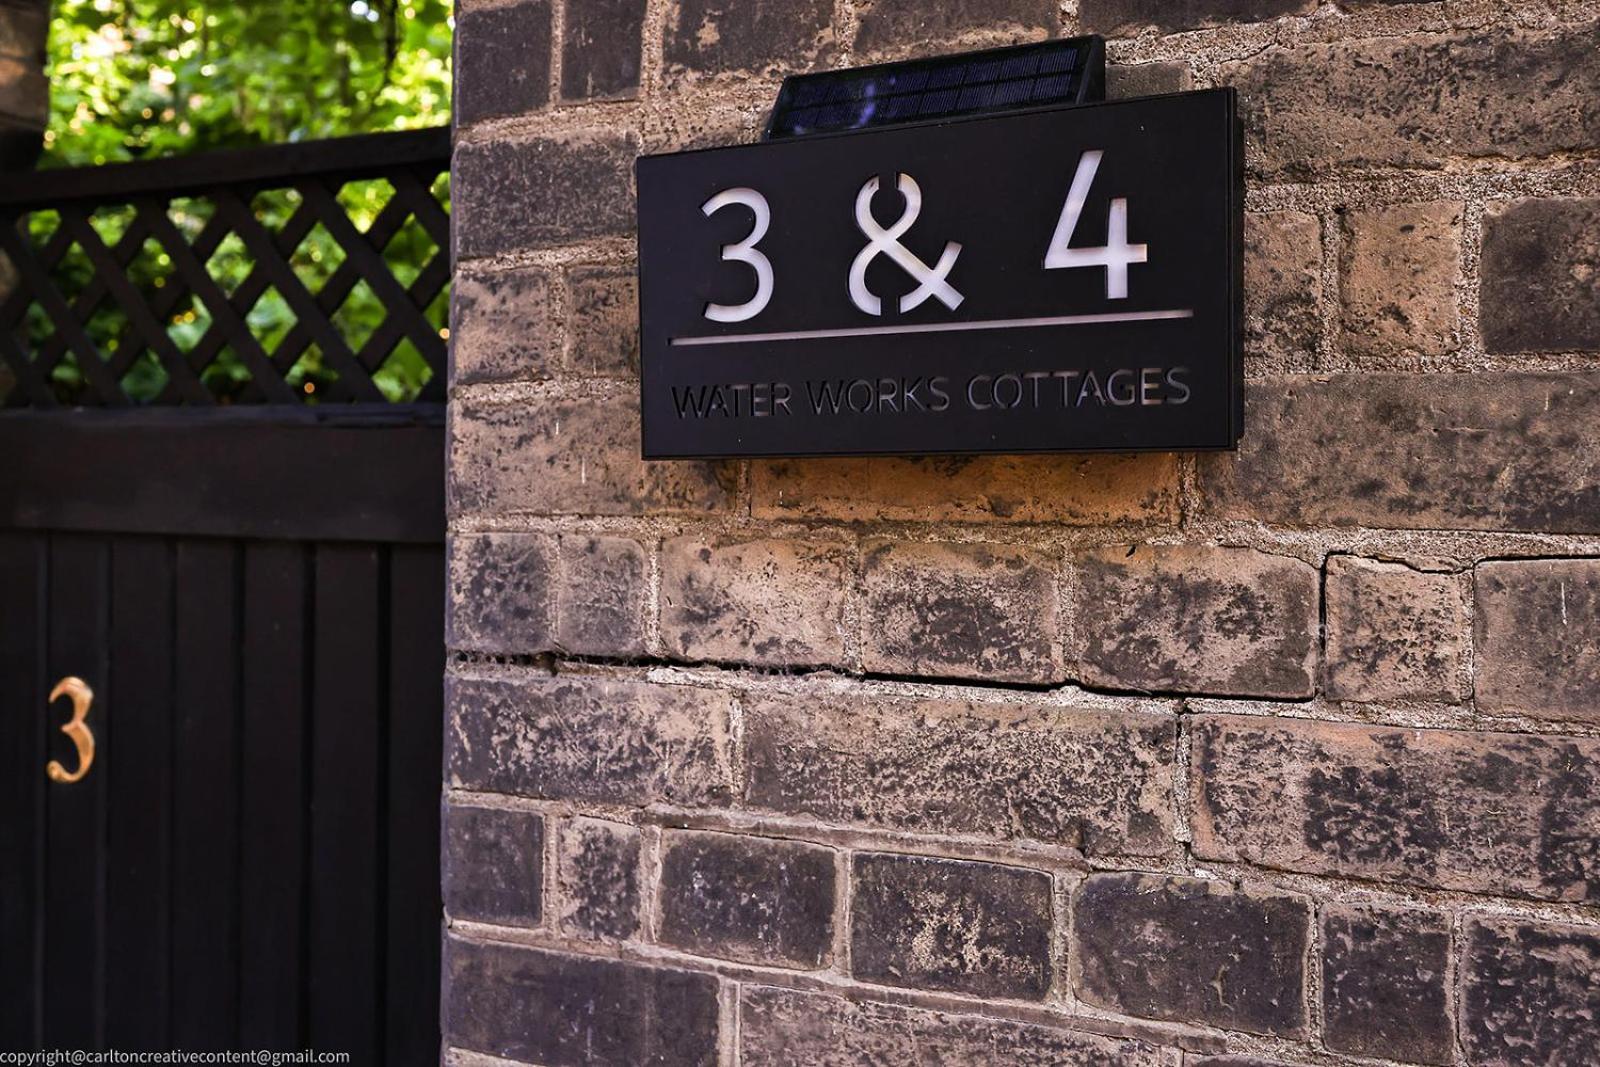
[[1282, 291], [603, 321], [542, 1007], [1125, 81], [597, 879], [1233, 1061], [1541, 276], [778, 602], [753, 899], [1419, 100], [553, 456], [1197, 619], [789, 1028], [493, 865], [1192, 950], [509, 196], [1530, 994], [1398, 273], [1081, 490], [974, 928], [505, 53], [600, 53], [896, 24], [600, 596], [25, 96], [503, 327], [714, 37], [1099, 781], [1393, 632], [1482, 812], [1127, 17], [1538, 638], [589, 738], [24, 27], [499, 597], [969, 610], [1507, 451], [1384, 988]]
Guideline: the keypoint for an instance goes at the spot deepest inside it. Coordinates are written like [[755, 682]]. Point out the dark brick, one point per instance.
[[504, 327], [597, 879], [511, 196], [1541, 276], [600, 55], [773, 601], [1196, 619], [499, 593], [1233, 1061], [1384, 989], [788, 1028], [24, 26], [1382, 101], [1506, 451], [493, 865], [1124, 18], [973, 928], [1189, 950], [603, 324], [1282, 291], [552, 456], [576, 1011], [716, 37], [968, 610], [1099, 781], [1393, 632], [1509, 814], [890, 24], [600, 599], [503, 60], [1531, 993], [753, 899], [1538, 638], [1126, 81], [589, 738]]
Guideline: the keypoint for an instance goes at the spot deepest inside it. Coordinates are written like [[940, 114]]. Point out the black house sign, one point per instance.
[[1062, 279]]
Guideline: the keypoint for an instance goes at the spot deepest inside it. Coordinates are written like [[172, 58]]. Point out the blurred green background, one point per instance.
[[149, 79]]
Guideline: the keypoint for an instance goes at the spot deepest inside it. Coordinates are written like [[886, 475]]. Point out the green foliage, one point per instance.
[[148, 79]]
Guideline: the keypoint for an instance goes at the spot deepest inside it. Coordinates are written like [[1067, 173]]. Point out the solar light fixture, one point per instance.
[[1047, 74]]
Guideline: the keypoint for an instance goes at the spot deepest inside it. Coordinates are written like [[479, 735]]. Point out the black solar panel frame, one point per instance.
[[940, 80]]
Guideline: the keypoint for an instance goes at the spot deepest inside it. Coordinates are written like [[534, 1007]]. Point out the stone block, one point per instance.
[[755, 36], [1541, 276], [601, 49], [1393, 632], [597, 880], [499, 595], [504, 55], [1397, 274], [1385, 988], [493, 865], [1529, 993], [516, 195], [603, 321], [503, 327], [600, 596]]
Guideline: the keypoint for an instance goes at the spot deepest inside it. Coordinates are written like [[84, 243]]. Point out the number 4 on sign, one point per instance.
[[1115, 254]]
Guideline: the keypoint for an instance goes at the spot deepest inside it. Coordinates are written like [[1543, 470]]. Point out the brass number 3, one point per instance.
[[82, 696]]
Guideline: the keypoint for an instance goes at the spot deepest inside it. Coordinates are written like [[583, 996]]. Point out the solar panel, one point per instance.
[[1067, 71]]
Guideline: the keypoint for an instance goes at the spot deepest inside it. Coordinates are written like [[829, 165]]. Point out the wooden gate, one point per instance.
[[221, 509]]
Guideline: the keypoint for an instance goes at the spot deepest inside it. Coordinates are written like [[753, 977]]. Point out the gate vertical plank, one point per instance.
[[140, 788], [74, 914], [416, 730], [273, 820], [205, 858], [347, 745], [22, 782]]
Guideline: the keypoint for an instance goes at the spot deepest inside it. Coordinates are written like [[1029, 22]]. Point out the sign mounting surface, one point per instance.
[[1052, 280]]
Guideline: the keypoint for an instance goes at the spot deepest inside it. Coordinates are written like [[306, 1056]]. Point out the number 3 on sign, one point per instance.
[[1115, 254], [744, 252]]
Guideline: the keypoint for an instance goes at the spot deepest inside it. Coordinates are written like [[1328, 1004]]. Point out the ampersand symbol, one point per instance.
[[931, 280]]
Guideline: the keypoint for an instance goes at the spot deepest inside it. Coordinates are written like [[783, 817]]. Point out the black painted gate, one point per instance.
[[249, 595]]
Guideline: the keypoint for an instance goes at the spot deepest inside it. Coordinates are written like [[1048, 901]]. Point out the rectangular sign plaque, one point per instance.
[[1065, 279]]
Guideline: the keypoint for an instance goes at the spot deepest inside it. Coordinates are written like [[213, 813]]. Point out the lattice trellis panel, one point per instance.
[[312, 273]]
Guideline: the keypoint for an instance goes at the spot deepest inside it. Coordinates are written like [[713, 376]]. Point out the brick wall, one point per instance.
[[1284, 757]]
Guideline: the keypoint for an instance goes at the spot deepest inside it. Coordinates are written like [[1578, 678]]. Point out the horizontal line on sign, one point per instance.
[[936, 327]]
